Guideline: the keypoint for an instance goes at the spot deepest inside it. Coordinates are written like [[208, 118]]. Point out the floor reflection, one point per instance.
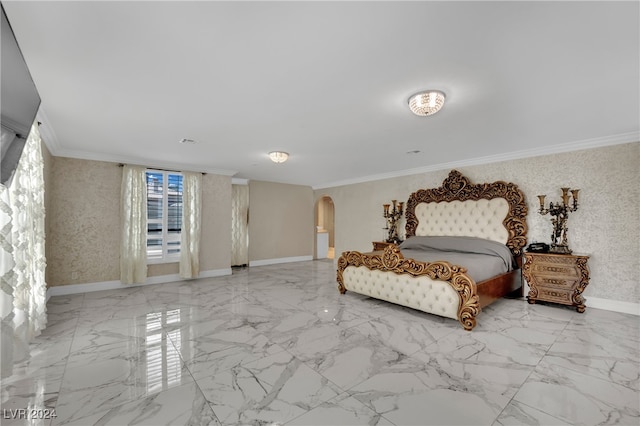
[[269, 344], [164, 365]]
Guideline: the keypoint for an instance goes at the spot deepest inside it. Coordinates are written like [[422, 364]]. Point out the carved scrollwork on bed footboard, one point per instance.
[[391, 260]]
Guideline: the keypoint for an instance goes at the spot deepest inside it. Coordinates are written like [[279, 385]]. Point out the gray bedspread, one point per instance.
[[482, 258]]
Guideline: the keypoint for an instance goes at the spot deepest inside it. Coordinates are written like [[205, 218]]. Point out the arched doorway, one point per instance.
[[325, 228]]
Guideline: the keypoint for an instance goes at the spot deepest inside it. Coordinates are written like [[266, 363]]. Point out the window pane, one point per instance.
[[174, 213], [154, 247], [173, 247], [154, 195], [164, 209], [154, 229], [154, 181], [154, 206], [175, 183], [174, 222]]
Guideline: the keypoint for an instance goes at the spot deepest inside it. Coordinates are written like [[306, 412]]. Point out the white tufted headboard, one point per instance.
[[494, 211], [471, 218]]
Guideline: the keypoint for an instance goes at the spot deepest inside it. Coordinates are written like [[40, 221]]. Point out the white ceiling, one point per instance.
[[329, 82]]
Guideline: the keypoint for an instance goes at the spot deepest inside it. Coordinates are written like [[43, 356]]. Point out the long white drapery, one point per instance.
[[6, 283], [22, 257], [133, 246], [191, 221], [239, 225]]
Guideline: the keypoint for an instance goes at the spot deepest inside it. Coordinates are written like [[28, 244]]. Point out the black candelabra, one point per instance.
[[393, 215], [559, 214]]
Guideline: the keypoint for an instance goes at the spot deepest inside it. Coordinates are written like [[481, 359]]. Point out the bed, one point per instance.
[[460, 219]]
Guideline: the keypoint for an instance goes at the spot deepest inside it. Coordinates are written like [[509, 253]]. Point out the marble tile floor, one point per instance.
[[278, 345]]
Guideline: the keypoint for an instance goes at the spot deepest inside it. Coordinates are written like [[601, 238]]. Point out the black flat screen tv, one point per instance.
[[19, 102]]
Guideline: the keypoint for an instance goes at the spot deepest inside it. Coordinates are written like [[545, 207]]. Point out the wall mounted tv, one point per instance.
[[19, 102]]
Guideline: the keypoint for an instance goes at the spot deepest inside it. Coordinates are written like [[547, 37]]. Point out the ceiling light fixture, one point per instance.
[[278, 156], [426, 103]]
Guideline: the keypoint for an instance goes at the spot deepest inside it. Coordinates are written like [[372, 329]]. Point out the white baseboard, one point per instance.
[[604, 304], [63, 290], [613, 305], [279, 260]]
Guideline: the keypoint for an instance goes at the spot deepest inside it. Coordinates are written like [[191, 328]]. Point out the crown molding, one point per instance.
[[618, 139], [85, 155], [51, 141]]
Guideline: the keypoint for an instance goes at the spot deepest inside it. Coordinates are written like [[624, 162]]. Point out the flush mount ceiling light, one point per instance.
[[426, 103], [278, 156]]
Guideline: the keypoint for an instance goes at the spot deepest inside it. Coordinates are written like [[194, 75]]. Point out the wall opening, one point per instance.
[[325, 228]]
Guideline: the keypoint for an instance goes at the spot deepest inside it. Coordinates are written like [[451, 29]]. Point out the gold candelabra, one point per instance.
[[560, 214], [392, 217]]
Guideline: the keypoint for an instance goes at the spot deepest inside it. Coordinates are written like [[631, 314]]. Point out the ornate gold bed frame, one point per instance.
[[473, 296]]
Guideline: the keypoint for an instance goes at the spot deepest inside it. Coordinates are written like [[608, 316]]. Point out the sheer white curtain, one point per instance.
[[22, 259], [239, 225], [133, 245], [6, 284], [191, 221]]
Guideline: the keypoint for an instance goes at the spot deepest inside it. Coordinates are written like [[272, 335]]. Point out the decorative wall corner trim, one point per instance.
[[279, 260], [64, 290], [46, 132], [613, 305]]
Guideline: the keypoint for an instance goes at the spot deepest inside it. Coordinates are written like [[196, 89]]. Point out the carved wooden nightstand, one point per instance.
[[380, 245], [558, 278]]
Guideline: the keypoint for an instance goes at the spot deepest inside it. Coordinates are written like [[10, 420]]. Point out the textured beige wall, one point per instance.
[[605, 225], [83, 238], [83, 244], [215, 244], [281, 220]]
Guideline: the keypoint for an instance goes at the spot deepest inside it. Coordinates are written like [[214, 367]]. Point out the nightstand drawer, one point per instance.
[[556, 281], [555, 269], [555, 295]]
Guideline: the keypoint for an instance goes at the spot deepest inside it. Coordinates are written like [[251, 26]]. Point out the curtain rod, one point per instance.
[[162, 170]]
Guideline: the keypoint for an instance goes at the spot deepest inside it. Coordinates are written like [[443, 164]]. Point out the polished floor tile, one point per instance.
[[278, 345]]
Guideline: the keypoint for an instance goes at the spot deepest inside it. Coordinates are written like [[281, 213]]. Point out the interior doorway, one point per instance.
[[325, 228]]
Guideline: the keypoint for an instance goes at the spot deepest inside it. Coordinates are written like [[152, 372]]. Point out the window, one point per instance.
[[164, 215]]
